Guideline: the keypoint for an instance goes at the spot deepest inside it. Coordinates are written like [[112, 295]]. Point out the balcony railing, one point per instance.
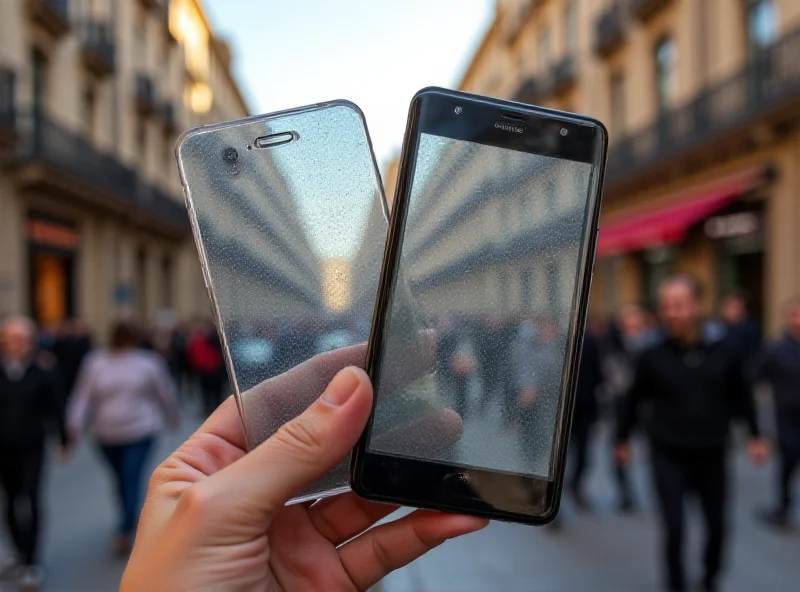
[[564, 75], [97, 40], [766, 90], [647, 9], [53, 15], [66, 153], [8, 116], [610, 31], [145, 94], [157, 203]]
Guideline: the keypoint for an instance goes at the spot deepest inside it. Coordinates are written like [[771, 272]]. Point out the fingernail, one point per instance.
[[342, 387]]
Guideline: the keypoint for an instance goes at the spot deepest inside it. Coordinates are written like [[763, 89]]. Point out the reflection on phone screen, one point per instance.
[[489, 263]]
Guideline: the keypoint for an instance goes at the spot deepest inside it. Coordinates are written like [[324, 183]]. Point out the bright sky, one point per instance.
[[376, 53]]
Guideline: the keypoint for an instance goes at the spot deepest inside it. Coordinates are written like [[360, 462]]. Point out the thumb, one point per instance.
[[301, 451]]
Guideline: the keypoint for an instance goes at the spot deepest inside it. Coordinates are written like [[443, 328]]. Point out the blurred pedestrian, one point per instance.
[[537, 360], [590, 379], [204, 355], [780, 368], [633, 337], [694, 385], [493, 339], [73, 343], [742, 329], [127, 395], [457, 364], [30, 405]]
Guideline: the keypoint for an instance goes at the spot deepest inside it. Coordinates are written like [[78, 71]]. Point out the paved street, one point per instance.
[[80, 519], [597, 551], [603, 551]]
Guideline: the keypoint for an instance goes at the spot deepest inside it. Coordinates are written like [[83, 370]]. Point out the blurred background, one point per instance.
[[702, 102]]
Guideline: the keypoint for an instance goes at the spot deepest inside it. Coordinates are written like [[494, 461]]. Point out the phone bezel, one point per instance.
[[426, 484]]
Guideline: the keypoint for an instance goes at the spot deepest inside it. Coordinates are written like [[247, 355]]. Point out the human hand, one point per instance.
[[399, 418], [758, 450], [622, 453], [215, 519]]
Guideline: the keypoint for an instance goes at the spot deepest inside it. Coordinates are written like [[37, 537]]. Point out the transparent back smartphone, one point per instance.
[[491, 246], [290, 220]]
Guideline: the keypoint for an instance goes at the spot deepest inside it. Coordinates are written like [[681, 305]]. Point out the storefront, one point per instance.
[[52, 249], [715, 232], [738, 236]]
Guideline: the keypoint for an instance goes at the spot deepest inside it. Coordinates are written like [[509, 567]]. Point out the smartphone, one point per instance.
[[492, 237], [289, 219]]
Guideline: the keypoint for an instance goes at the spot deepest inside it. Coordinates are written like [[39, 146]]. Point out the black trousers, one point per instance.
[[458, 385], [621, 471], [678, 474], [579, 448], [787, 467], [20, 476]]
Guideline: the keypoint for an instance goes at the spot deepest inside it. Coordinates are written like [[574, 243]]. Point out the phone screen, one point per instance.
[[489, 262]]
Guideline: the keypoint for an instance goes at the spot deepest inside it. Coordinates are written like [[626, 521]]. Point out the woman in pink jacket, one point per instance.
[[127, 395]]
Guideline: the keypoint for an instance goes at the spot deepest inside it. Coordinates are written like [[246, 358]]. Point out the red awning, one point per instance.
[[669, 224]]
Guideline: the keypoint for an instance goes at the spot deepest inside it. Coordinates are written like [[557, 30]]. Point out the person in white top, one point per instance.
[[127, 395]]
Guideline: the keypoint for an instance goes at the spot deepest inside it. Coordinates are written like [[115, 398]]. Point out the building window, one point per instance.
[[527, 210], [762, 25], [552, 196], [666, 58], [140, 293], [87, 115], [571, 27], [166, 283], [553, 285], [167, 145], [527, 289], [544, 49], [141, 139], [617, 105], [39, 79]]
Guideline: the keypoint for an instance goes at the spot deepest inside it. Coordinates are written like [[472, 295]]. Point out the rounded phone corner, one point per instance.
[[550, 514], [429, 90], [347, 104], [186, 137], [357, 487], [595, 123]]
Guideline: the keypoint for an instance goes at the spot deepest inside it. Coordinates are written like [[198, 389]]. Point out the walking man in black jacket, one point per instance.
[[780, 368], [694, 385], [30, 402]]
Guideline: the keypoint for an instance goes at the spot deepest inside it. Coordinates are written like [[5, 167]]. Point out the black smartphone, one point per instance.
[[492, 241]]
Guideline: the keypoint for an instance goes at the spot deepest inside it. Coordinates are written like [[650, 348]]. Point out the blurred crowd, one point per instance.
[[56, 380], [672, 374]]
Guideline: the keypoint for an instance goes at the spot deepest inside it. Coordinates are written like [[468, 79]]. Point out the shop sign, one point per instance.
[[48, 233], [732, 225]]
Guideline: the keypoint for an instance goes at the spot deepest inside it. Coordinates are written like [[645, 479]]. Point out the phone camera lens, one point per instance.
[[564, 131], [458, 110], [230, 155]]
